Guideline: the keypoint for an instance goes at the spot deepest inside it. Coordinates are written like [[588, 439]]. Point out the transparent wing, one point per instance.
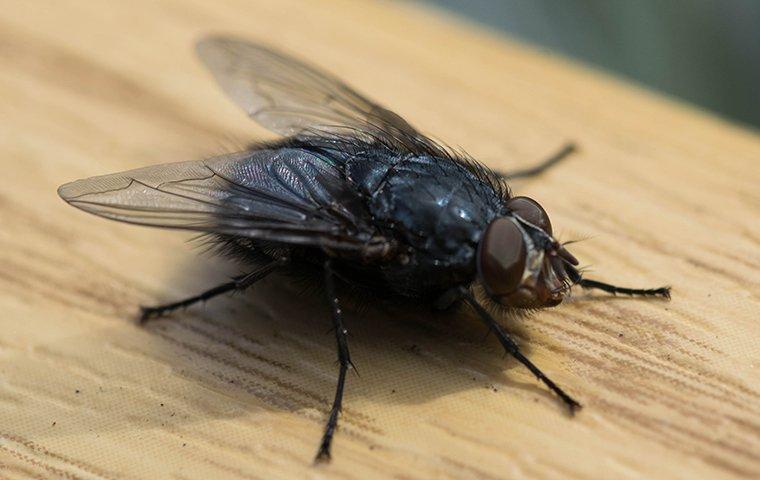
[[292, 98], [280, 195]]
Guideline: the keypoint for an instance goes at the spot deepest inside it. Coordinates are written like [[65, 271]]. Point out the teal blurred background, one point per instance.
[[705, 52]]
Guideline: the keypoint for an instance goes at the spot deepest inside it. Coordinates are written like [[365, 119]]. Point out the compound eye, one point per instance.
[[501, 259], [530, 211]]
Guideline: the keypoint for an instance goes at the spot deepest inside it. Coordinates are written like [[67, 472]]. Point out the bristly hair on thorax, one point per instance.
[[355, 143]]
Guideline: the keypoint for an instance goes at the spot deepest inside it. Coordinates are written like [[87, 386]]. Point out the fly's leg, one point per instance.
[[511, 347], [565, 151], [577, 279], [236, 284], [642, 292], [344, 360]]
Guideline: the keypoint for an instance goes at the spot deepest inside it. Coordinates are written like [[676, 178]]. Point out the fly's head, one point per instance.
[[520, 263]]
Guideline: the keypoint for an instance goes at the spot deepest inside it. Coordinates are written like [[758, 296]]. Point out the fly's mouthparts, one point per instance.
[[566, 256]]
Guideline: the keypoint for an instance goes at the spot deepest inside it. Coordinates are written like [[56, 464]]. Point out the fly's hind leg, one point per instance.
[[564, 152], [236, 284], [344, 360]]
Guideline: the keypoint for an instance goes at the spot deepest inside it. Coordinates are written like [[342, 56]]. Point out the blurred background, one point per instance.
[[706, 52]]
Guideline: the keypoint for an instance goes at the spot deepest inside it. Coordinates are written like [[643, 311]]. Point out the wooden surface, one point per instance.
[[662, 193]]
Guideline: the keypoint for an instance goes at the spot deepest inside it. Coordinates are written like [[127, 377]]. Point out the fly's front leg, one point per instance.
[[236, 284], [640, 292], [511, 347], [588, 284], [564, 152], [344, 360]]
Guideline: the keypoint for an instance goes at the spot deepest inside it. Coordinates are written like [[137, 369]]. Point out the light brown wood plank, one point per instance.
[[662, 192]]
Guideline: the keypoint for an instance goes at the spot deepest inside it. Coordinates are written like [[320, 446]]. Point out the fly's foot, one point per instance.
[[572, 405], [323, 456], [152, 313]]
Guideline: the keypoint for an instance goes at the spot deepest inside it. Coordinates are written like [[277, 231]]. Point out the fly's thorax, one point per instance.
[[520, 264], [432, 204]]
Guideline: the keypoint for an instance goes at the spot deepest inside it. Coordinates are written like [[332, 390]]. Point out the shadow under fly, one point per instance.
[[357, 193]]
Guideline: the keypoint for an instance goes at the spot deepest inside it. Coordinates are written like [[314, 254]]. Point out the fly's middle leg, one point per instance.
[[236, 284], [344, 360]]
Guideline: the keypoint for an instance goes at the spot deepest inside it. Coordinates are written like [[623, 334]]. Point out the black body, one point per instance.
[[420, 215]]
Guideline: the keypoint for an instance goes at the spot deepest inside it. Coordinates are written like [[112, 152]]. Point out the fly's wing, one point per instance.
[[292, 98], [279, 195]]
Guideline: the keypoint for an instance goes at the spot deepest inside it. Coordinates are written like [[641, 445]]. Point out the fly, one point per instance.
[[357, 193]]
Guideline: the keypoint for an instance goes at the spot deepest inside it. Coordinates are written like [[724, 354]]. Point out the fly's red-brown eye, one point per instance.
[[530, 211], [501, 259]]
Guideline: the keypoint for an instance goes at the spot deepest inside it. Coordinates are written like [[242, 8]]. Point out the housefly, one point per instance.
[[357, 193]]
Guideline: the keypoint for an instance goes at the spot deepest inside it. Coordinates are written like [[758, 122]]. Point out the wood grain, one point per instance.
[[661, 193]]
